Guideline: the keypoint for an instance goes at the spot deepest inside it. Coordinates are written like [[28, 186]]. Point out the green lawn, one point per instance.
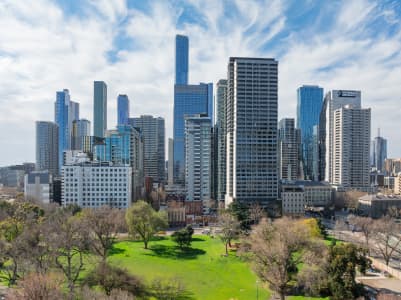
[[206, 274]]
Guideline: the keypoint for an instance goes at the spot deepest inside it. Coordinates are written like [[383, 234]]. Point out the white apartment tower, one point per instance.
[[198, 159], [251, 131], [351, 145]]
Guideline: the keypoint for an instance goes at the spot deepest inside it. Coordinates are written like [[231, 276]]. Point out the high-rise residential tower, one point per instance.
[[65, 112], [181, 59], [153, 133], [122, 110], [198, 159], [345, 139], [309, 105], [252, 95], [188, 100], [288, 149], [378, 152], [351, 140], [47, 142], [80, 128], [221, 99], [99, 108]]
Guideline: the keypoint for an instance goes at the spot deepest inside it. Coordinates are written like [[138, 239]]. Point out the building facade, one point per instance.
[[122, 110], [189, 100], [170, 163], [95, 184], [80, 128], [252, 131], [153, 133], [181, 59], [333, 100], [221, 99], [99, 108], [378, 152], [38, 186], [309, 105], [289, 145], [47, 142], [351, 147], [198, 162]]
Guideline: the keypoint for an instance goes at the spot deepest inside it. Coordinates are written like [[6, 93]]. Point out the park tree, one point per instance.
[[111, 278], [386, 237], [277, 248], [183, 237], [366, 225], [104, 223], [240, 211], [344, 258], [143, 221], [69, 240], [229, 228], [256, 213], [38, 286]]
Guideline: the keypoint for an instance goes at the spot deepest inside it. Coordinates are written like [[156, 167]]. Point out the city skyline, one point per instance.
[[339, 55]]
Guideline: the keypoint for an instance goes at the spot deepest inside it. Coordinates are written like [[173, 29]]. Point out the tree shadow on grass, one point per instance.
[[198, 239], [174, 252], [115, 250]]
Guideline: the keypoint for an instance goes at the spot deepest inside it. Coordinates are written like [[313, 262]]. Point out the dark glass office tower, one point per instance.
[[309, 105], [99, 108], [181, 59]]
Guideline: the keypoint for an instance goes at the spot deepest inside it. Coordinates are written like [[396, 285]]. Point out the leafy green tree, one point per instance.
[[241, 212], [343, 261], [142, 220], [183, 237]]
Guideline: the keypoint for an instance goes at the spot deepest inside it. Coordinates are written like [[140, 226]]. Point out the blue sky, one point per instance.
[[47, 45]]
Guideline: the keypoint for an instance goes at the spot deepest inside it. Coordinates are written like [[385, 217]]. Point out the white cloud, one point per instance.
[[42, 50]]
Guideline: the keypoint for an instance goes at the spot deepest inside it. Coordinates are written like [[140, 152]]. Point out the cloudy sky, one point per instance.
[[46, 46]]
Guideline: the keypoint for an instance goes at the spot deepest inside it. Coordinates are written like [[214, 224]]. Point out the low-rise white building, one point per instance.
[[93, 184], [38, 186]]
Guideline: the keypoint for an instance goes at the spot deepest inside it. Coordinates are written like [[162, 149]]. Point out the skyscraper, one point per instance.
[[252, 89], [99, 108], [170, 165], [122, 110], [80, 128], [221, 99], [181, 59], [188, 100], [63, 113], [153, 133], [378, 152], [47, 143], [288, 149], [198, 159], [309, 105], [351, 140], [333, 100]]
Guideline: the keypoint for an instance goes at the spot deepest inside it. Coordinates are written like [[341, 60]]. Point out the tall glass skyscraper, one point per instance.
[[378, 152], [99, 108], [309, 106], [122, 110], [80, 128], [181, 59], [153, 133], [188, 100]]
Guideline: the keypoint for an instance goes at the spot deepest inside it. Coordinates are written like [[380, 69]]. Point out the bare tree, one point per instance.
[[256, 213], [69, 241], [277, 248], [38, 286], [387, 238], [104, 223], [366, 225], [229, 228]]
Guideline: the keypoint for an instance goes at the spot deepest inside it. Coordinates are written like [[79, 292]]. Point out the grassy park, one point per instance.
[[204, 271]]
